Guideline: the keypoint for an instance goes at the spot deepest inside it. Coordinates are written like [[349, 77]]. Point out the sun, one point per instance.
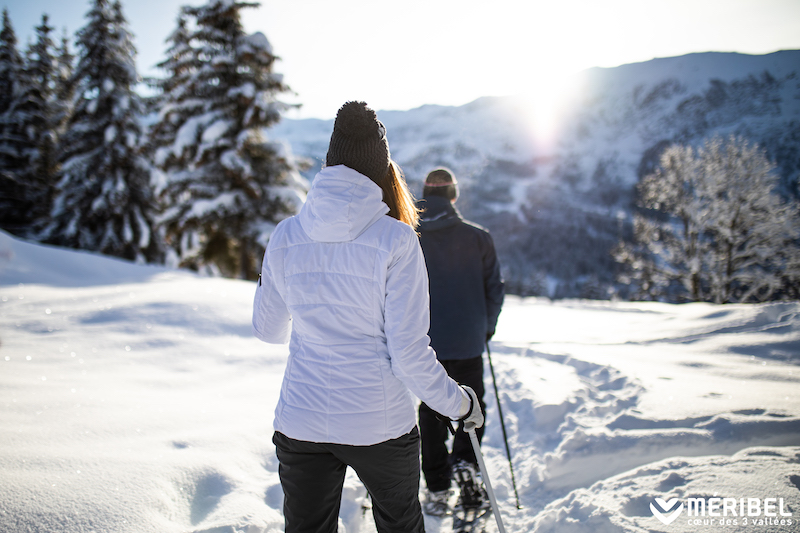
[[546, 105]]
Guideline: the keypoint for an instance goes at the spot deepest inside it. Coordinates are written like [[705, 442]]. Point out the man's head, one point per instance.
[[441, 182]]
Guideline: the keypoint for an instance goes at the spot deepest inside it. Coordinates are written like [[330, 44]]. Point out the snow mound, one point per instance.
[[27, 262], [621, 504]]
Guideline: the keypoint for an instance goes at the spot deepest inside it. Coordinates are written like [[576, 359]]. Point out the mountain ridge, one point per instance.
[[557, 209]]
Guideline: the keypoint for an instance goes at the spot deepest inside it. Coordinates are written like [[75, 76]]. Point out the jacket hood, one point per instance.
[[341, 204], [438, 212]]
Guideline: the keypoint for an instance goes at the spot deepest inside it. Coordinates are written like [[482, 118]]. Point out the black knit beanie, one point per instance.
[[440, 182], [359, 142]]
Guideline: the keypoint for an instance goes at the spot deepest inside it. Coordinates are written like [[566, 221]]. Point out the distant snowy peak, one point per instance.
[[614, 128], [558, 203], [693, 95], [695, 70], [495, 127]]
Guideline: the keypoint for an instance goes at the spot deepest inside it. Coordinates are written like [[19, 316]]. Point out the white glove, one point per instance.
[[473, 419]]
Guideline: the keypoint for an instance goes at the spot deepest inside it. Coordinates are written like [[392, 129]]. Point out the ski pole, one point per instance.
[[479, 456], [502, 424]]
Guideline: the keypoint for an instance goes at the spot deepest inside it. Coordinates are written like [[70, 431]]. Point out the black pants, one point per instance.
[[436, 460], [312, 475]]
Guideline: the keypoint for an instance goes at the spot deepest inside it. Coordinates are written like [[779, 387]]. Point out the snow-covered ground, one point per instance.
[[134, 398]]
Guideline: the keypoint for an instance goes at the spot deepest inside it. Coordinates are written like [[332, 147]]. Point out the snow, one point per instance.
[[110, 134], [222, 203], [215, 130], [133, 398], [187, 135], [255, 42], [248, 91]]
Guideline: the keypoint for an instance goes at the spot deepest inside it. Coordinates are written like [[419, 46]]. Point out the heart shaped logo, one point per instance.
[[667, 517]]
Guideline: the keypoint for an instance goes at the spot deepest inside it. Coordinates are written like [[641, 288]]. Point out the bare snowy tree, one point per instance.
[[754, 233], [714, 227], [668, 252]]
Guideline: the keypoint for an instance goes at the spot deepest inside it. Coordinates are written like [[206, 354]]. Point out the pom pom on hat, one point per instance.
[[359, 141]]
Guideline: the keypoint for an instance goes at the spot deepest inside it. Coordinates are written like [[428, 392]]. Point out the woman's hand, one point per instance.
[[473, 419]]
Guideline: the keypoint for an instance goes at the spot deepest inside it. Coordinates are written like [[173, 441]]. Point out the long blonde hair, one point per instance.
[[398, 197]]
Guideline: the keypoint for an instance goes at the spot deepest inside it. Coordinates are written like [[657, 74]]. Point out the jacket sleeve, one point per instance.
[[272, 321], [406, 323], [493, 285]]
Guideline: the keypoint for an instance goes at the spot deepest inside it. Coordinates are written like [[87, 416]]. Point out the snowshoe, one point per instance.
[[473, 507], [437, 503], [471, 520], [473, 493]]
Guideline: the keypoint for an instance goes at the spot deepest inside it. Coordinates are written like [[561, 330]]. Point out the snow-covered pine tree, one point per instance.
[[10, 62], [225, 185], [31, 116], [11, 162], [104, 200], [65, 91], [174, 102], [41, 123]]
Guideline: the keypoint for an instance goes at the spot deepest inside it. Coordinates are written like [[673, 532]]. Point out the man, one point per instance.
[[466, 292]]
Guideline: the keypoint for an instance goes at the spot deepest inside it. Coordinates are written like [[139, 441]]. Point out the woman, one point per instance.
[[346, 285]]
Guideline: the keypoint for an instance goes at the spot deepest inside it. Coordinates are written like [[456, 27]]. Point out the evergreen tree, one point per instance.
[[10, 63], [41, 123], [65, 90], [11, 191], [104, 201], [716, 227], [225, 185], [30, 121], [173, 103]]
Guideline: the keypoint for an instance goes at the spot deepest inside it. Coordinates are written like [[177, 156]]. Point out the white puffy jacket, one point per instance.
[[350, 284]]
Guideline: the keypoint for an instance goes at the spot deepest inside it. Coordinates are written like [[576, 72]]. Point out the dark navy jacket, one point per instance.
[[465, 284]]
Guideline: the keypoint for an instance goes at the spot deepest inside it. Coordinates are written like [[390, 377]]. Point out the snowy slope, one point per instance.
[[558, 205], [134, 399]]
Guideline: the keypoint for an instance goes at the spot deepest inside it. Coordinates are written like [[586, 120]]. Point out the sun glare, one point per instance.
[[546, 105]]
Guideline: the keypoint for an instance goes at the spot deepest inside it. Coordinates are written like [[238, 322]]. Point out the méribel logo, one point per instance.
[[669, 512]]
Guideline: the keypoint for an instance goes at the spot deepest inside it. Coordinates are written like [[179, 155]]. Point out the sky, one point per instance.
[[402, 54]]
